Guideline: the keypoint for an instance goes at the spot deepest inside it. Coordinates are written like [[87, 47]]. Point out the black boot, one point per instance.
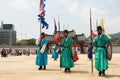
[[65, 70], [103, 73], [55, 59], [69, 70], [99, 73], [44, 67], [40, 68]]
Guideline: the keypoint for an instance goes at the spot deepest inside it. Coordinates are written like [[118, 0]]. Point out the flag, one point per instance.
[[58, 24], [102, 23], [75, 44], [108, 36], [41, 7], [55, 30], [93, 34], [58, 32], [57, 36], [41, 16]]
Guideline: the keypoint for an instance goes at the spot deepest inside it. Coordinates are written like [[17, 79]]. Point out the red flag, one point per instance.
[[41, 8], [75, 44], [76, 58], [57, 37], [93, 34]]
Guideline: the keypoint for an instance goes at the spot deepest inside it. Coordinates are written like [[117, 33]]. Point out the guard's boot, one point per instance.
[[44, 67], [99, 73], [40, 68], [103, 73], [55, 59], [69, 70], [65, 70]]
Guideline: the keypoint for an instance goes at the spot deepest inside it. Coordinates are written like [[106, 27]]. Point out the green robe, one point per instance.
[[101, 62], [66, 60]]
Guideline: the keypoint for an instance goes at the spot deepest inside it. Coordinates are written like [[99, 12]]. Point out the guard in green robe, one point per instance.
[[66, 60], [101, 62]]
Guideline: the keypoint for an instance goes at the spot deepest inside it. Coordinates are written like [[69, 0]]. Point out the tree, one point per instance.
[[26, 42]]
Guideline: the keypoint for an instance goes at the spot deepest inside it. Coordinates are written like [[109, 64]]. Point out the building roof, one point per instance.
[[49, 38], [81, 37], [77, 37]]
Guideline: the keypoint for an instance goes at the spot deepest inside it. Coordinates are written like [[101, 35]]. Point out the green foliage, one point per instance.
[[3, 44], [26, 42]]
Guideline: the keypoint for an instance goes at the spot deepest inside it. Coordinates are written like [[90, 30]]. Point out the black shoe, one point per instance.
[[40, 68], [69, 70], [103, 73], [65, 70], [99, 73], [44, 67], [55, 59]]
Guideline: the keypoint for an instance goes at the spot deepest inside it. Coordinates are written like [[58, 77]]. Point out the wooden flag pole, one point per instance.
[[59, 34], [58, 24], [91, 39], [96, 22], [40, 33], [40, 29]]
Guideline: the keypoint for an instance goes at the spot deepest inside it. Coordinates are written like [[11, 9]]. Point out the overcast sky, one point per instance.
[[73, 14]]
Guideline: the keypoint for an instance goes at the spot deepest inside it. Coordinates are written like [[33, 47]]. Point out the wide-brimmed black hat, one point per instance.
[[42, 34], [99, 28], [66, 31]]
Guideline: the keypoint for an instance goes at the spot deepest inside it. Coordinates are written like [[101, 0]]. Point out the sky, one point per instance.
[[73, 15]]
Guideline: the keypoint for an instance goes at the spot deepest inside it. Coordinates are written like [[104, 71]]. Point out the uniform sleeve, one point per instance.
[[62, 42], [95, 42], [44, 46], [57, 49], [37, 42], [53, 47]]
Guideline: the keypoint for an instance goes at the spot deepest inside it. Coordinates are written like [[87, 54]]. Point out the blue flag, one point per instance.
[[41, 16]]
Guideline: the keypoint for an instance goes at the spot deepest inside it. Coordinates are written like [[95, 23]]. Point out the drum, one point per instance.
[[109, 51]]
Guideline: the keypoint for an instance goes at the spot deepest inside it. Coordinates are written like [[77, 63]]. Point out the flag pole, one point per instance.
[[96, 22], [59, 36], [58, 24], [91, 39], [40, 29]]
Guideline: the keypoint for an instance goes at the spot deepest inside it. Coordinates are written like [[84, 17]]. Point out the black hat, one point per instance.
[[42, 34], [66, 31], [99, 28]]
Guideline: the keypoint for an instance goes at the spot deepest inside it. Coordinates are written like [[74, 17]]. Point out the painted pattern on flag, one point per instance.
[[41, 16]]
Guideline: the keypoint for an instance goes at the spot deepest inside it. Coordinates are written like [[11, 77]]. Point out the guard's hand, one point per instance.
[[37, 41]]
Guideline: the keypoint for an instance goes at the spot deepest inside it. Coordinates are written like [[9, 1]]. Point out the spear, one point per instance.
[[59, 38], [91, 39]]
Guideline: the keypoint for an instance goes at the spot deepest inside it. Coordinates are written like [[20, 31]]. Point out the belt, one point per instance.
[[100, 46], [66, 47]]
